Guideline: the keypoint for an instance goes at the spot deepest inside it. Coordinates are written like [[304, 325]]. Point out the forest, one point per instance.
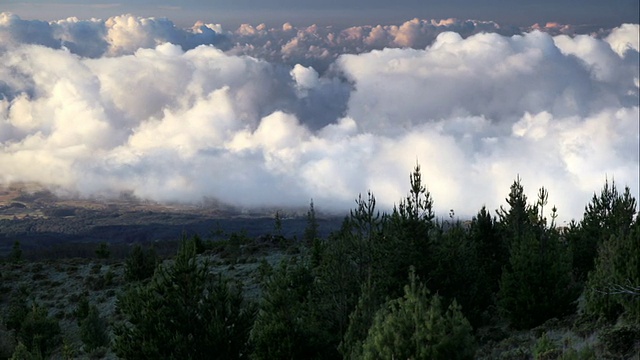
[[404, 284]]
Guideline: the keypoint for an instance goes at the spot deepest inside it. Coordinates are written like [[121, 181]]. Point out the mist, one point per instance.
[[274, 117]]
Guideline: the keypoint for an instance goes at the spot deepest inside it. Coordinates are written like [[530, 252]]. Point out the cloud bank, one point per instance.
[[137, 105]]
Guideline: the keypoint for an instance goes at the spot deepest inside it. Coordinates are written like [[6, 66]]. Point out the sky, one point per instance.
[[338, 12], [273, 105]]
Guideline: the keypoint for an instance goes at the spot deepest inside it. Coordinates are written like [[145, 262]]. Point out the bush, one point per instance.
[[183, 314], [284, 327], [17, 310], [103, 252], [613, 287], [620, 340], [82, 309], [545, 348], [39, 332], [93, 330], [140, 265], [417, 326]]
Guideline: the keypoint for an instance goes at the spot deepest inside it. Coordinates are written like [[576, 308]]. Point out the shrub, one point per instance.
[[620, 340], [103, 252], [140, 265], [545, 348], [93, 331], [417, 326], [183, 314], [17, 310], [82, 309], [39, 332]]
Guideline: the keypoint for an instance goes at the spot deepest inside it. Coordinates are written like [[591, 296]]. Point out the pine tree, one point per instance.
[[613, 287], [16, 252], [311, 230], [608, 214], [103, 252], [518, 218], [140, 265], [285, 327], [184, 313], [492, 250], [536, 285], [360, 321], [458, 273], [93, 330], [39, 332], [417, 326], [409, 234]]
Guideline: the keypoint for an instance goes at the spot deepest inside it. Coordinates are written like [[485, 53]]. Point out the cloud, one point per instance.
[[143, 112]]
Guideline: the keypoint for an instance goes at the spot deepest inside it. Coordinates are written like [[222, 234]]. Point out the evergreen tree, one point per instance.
[[140, 265], [285, 327], [458, 274], [39, 332], [536, 285], [492, 250], [518, 218], [613, 287], [360, 321], [411, 227], [103, 252], [183, 313], [82, 309], [17, 310], [16, 252], [93, 330], [608, 214], [417, 326], [311, 230]]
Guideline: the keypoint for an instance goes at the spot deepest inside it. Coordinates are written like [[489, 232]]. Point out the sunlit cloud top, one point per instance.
[[261, 115]]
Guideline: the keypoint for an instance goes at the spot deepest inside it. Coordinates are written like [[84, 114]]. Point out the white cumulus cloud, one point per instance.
[[248, 118]]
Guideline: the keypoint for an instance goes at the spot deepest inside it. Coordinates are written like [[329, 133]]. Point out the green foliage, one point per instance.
[[517, 219], [311, 230], [140, 265], [17, 310], [586, 353], [93, 331], [360, 322], [417, 326], [458, 273], [7, 342], [184, 313], [410, 232], [82, 309], [608, 214], [277, 225], [491, 249], [349, 257], [16, 252], [536, 285], [613, 287], [103, 252], [286, 327], [199, 243], [620, 340], [544, 348], [22, 353], [39, 332], [68, 351]]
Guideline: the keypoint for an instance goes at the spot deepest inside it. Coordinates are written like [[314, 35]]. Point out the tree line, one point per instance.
[[401, 285]]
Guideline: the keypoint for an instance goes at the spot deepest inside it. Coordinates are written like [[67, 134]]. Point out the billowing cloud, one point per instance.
[[144, 109]]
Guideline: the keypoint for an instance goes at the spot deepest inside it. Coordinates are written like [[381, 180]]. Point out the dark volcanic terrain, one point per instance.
[[52, 226]]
